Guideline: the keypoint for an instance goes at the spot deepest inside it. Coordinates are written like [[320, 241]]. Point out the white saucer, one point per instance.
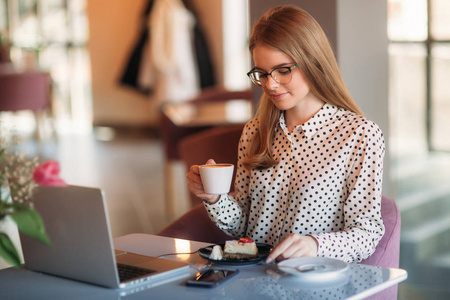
[[314, 268]]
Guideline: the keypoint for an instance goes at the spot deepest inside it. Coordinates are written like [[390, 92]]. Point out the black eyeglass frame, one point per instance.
[[258, 83]]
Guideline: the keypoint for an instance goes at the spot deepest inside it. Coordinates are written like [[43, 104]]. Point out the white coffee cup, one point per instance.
[[216, 178]]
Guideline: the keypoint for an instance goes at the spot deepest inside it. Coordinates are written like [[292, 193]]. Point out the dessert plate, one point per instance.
[[263, 252], [313, 268]]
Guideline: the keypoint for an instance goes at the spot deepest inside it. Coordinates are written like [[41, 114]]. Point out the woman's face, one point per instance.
[[284, 96]]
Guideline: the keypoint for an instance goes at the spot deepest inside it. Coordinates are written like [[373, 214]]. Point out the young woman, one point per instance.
[[310, 166]]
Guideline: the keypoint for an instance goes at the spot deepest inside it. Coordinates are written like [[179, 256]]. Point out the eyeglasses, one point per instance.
[[281, 75]]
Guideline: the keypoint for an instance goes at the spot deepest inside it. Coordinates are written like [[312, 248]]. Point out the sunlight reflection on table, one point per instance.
[[183, 247]]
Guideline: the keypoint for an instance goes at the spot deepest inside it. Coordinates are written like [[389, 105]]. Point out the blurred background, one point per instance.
[[115, 74]]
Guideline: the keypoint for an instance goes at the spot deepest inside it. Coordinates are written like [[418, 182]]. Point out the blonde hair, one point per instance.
[[292, 30]]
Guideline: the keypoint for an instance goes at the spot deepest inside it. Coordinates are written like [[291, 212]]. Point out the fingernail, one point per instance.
[[269, 260]]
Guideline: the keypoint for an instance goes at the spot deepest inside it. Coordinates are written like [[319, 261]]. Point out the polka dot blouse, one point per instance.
[[327, 184]]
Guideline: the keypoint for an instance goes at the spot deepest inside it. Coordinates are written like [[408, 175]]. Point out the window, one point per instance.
[[419, 33], [52, 35]]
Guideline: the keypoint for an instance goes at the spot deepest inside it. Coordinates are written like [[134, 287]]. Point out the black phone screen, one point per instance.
[[212, 277]]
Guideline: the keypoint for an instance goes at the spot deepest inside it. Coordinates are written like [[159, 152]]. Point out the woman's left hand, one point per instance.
[[295, 245]]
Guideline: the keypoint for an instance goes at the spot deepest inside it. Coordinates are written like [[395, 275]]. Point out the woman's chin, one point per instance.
[[282, 105]]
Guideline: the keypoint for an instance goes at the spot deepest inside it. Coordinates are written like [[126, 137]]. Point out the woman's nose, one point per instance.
[[271, 83]]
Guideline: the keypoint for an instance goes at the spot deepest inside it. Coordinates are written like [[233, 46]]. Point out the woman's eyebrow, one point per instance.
[[277, 66]]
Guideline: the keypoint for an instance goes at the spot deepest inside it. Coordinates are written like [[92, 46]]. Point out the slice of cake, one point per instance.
[[239, 249]]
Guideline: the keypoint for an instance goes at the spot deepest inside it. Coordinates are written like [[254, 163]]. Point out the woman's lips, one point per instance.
[[277, 96]]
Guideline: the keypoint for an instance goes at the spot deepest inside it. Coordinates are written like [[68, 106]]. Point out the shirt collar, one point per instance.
[[322, 117]]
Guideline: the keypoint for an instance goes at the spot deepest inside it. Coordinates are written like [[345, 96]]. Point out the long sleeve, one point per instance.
[[363, 227]]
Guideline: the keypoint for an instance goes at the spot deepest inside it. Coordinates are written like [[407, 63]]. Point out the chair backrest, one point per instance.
[[387, 253], [195, 225], [27, 90], [220, 144]]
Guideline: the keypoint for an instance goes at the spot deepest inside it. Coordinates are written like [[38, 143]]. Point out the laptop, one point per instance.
[[77, 224]]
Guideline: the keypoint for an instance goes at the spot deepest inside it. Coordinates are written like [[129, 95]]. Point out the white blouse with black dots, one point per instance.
[[327, 184]]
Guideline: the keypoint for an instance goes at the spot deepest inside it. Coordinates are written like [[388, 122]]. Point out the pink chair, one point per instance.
[[387, 253], [27, 90], [196, 225]]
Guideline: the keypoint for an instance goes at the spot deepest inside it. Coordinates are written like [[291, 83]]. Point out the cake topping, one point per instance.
[[244, 240]]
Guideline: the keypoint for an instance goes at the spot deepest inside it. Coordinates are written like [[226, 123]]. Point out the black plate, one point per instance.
[[263, 252]]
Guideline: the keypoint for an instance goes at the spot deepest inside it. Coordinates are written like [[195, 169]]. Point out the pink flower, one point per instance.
[[47, 174]]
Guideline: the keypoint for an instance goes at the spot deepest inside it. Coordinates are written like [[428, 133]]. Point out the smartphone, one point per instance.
[[212, 277]]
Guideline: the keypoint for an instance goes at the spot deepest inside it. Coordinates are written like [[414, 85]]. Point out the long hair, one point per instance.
[[293, 31]]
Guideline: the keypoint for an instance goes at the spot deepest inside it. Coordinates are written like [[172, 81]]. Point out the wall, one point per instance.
[[114, 29], [235, 43], [363, 58]]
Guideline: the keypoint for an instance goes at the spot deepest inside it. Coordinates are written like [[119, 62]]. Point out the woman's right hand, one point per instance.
[[195, 184]]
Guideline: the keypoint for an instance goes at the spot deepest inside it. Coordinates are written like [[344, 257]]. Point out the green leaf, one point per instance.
[[8, 251], [30, 223]]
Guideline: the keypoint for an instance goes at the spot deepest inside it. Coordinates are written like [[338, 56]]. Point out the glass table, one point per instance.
[[259, 281]]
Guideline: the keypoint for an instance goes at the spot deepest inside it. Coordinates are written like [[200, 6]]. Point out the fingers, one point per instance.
[[194, 169], [210, 162], [196, 187], [193, 175], [194, 181], [279, 250], [294, 245], [195, 184]]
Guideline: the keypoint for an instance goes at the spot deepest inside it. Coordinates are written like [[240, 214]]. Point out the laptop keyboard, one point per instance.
[[127, 272]]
